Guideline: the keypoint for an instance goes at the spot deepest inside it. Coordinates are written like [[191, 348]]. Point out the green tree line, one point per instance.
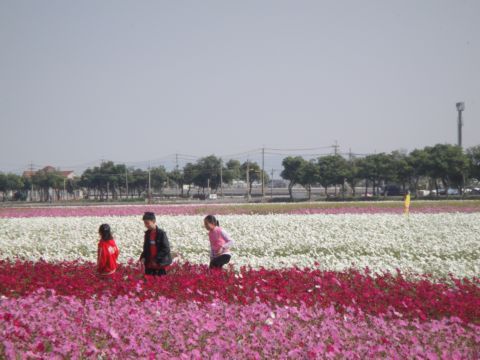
[[445, 166], [442, 165]]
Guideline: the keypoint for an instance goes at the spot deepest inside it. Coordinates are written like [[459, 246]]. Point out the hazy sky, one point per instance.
[[138, 80]]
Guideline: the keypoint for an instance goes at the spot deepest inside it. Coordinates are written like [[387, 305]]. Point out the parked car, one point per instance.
[[440, 192], [472, 191], [452, 191], [392, 190]]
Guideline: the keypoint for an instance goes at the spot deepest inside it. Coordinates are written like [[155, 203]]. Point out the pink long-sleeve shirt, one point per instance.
[[220, 242]]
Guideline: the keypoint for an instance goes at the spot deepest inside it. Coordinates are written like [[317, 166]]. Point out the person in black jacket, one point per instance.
[[156, 255]]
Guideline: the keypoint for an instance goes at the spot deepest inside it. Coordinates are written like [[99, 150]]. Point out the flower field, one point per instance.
[[381, 207], [436, 244], [303, 284]]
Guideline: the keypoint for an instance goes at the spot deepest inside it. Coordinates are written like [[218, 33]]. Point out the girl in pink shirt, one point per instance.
[[220, 243]]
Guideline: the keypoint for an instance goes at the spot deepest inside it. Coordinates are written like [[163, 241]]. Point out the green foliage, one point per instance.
[[255, 174], [473, 155], [292, 171], [207, 172], [10, 182], [309, 175], [233, 171], [447, 163], [333, 170], [158, 177]]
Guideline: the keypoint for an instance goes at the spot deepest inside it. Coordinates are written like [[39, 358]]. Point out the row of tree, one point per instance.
[[442, 164], [207, 173], [44, 182], [110, 180]]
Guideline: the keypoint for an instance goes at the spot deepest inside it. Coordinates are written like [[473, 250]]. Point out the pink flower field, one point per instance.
[[195, 209], [60, 311], [124, 328]]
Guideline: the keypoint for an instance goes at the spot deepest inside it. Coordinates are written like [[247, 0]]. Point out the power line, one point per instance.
[[301, 149]]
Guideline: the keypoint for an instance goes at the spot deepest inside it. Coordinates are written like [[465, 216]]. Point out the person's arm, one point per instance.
[[228, 240], [99, 253], [143, 255], [163, 252], [101, 258]]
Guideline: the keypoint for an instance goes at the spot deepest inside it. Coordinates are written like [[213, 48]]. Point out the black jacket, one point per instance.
[[164, 257]]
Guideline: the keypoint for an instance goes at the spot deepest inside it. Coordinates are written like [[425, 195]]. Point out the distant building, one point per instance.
[[67, 174]]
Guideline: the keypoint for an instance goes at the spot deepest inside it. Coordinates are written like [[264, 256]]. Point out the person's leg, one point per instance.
[[155, 272], [213, 264], [219, 261], [225, 259]]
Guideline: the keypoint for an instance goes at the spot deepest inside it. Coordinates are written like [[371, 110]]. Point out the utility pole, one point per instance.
[[176, 161], [271, 185], [263, 173], [31, 180], [221, 178], [248, 180], [64, 188], [149, 186], [460, 109], [350, 156], [126, 182], [335, 147]]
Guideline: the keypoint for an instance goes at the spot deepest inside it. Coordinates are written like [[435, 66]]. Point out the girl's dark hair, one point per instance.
[[212, 220], [105, 232]]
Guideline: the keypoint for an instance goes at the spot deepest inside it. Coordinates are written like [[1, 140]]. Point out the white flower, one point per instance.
[[438, 244]]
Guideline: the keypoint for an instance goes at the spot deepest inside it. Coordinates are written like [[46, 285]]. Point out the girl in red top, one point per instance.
[[107, 251]]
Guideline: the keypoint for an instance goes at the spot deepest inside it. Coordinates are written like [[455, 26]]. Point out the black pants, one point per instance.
[[219, 261], [155, 272]]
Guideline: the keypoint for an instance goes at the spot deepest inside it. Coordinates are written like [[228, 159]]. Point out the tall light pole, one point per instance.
[[460, 108]]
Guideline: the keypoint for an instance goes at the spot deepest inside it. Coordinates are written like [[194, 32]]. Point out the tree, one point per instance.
[[402, 170], [207, 172], [10, 182], [46, 180], [377, 168], [308, 176], [233, 171], [449, 164], [292, 167], [255, 174], [419, 162], [158, 178], [106, 179], [333, 170], [473, 154], [353, 175], [176, 176], [189, 174], [139, 181]]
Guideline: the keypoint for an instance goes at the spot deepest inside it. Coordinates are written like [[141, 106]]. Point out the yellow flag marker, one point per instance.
[[406, 203]]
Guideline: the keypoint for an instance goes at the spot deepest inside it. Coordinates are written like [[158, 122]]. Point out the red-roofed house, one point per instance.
[[67, 174]]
